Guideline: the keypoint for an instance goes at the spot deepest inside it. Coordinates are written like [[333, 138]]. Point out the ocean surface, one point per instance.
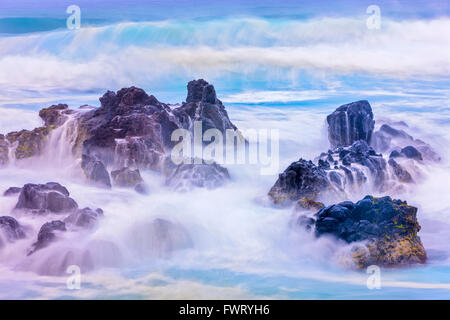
[[274, 66]]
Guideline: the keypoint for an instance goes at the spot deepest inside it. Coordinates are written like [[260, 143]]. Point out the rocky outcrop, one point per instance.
[[387, 228], [301, 179], [45, 198], [126, 177], [349, 123], [47, 235], [84, 218], [202, 105], [11, 229], [95, 171], [55, 115], [28, 143]]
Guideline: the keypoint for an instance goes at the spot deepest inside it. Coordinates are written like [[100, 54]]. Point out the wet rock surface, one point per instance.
[[85, 218], [126, 177], [95, 171], [47, 235], [184, 177], [45, 198], [28, 143], [349, 123], [11, 228], [388, 227], [12, 191], [301, 179]]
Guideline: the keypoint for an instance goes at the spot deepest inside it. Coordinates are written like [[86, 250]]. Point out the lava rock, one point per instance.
[[349, 123], [11, 228], [301, 179], [12, 191], [412, 153], [53, 116], [47, 234], [95, 171], [389, 228], [85, 218], [184, 177], [29, 143], [126, 177], [44, 198], [402, 174]]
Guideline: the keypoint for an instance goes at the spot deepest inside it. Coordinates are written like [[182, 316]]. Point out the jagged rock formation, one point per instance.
[[349, 123], [388, 228], [12, 191], [302, 179]]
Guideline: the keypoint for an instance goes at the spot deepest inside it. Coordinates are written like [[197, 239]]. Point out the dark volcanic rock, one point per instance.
[[95, 171], [47, 234], [53, 115], [301, 179], [11, 228], [12, 191], [349, 123], [401, 173], [388, 226], [29, 143], [184, 177], [203, 105], [43, 198], [126, 177], [85, 218], [411, 152]]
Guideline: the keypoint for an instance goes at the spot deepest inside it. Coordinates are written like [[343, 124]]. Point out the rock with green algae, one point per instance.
[[384, 231], [28, 143]]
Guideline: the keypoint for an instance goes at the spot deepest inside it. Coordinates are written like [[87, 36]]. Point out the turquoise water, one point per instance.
[[277, 67]]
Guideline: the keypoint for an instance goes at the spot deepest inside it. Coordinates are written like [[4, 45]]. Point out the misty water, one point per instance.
[[270, 74]]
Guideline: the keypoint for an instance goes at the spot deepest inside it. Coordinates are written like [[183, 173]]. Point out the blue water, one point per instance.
[[284, 65]]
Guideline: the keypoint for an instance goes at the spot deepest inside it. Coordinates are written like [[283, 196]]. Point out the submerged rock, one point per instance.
[[47, 234], [11, 228], [45, 198], [387, 227], [95, 171], [158, 238], [12, 191], [184, 177], [85, 218], [402, 174], [126, 177], [349, 123]]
